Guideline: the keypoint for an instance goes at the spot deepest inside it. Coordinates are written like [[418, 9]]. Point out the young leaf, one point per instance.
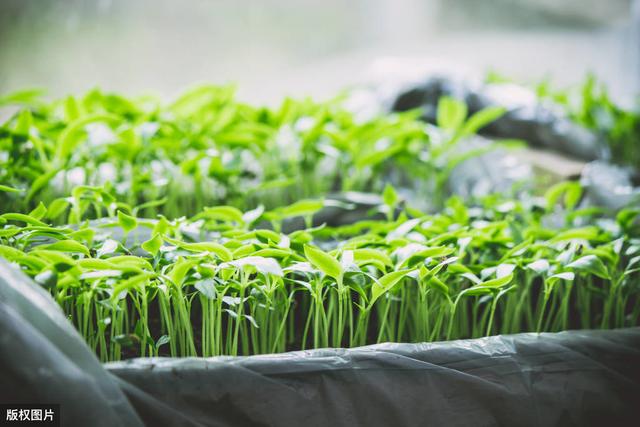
[[586, 233], [67, 246], [127, 222], [261, 264], [162, 341], [389, 196], [24, 218], [207, 287], [567, 275], [108, 247], [482, 118], [498, 282], [590, 264], [216, 248], [8, 189], [504, 270], [324, 262], [153, 245], [539, 266], [386, 283], [451, 113], [572, 192], [39, 212], [57, 208]]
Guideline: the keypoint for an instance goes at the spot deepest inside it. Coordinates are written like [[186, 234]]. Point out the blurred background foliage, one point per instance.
[[272, 48]]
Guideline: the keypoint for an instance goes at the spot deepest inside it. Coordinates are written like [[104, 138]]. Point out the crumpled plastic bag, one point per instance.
[[540, 123], [609, 186]]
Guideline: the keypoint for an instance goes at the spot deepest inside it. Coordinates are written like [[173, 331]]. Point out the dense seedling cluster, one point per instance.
[[206, 148], [159, 229], [215, 284]]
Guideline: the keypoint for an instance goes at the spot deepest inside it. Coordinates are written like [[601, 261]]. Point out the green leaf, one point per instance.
[[108, 247], [258, 263], [567, 275], [584, 233], [22, 218], [572, 193], [375, 157], [386, 283], [127, 222], [539, 266], [161, 227], [40, 183], [129, 284], [626, 217], [498, 282], [364, 256], [153, 245], [162, 341], [57, 208], [8, 189], [216, 248], [324, 262], [268, 235], [67, 246], [389, 196], [73, 133], [432, 252], [96, 264], [591, 264], [252, 216], [24, 123], [39, 212], [207, 287], [488, 286], [439, 285], [277, 253], [482, 118], [10, 253], [451, 113], [54, 256], [71, 109]]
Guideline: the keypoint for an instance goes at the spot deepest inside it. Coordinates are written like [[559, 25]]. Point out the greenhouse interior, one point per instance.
[[287, 213]]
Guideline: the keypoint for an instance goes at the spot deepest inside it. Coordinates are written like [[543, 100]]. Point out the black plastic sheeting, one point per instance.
[[541, 124], [570, 378]]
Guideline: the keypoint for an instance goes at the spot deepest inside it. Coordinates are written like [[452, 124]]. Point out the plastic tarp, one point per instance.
[[43, 359], [570, 378], [609, 185]]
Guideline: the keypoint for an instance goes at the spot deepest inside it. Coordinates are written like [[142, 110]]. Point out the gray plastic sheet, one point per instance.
[[565, 379], [573, 378], [609, 186], [43, 359]]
